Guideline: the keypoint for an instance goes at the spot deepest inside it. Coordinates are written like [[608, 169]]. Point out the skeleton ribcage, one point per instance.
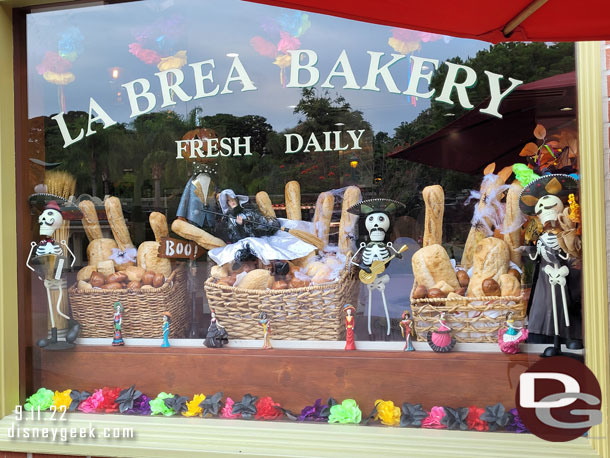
[[548, 247], [375, 253]]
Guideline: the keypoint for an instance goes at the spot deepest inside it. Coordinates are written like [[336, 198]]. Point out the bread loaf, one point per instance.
[[256, 279], [326, 214], [434, 199], [491, 259], [347, 226], [474, 236], [292, 196], [431, 264], [199, 236], [509, 285], [85, 273], [158, 223], [318, 209], [512, 221], [134, 273], [444, 287], [106, 268], [148, 259], [114, 213], [264, 204], [100, 250], [90, 221]]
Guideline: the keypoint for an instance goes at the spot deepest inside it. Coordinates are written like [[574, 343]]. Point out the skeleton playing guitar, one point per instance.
[[377, 267]]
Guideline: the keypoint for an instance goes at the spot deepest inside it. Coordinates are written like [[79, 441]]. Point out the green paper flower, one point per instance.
[[42, 399], [158, 406], [346, 412]]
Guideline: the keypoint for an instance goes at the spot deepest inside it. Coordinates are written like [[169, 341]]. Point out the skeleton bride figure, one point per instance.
[[554, 305]]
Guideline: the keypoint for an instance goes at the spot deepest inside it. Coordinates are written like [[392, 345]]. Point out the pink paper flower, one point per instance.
[[53, 62], [148, 56], [287, 42], [227, 410], [92, 403], [433, 420]]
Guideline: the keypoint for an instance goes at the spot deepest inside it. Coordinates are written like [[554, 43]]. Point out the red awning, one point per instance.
[[550, 20], [476, 139]]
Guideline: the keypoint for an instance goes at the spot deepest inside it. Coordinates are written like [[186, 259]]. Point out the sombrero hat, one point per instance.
[[375, 205], [559, 185]]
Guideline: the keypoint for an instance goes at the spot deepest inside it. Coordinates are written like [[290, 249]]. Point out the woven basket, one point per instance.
[[472, 319], [309, 313], [143, 309]]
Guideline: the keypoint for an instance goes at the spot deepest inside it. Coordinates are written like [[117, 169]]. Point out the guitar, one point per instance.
[[377, 268]]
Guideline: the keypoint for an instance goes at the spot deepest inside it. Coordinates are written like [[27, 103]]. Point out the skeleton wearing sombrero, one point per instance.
[[551, 306], [376, 254]]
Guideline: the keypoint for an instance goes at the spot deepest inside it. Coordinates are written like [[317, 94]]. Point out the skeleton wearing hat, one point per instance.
[[553, 308], [47, 259], [376, 252]]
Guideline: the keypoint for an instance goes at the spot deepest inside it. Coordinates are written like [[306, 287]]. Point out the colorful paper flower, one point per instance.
[[266, 409], [148, 56], [126, 398], [263, 47], [412, 415], [177, 403], [294, 22], [158, 406], [227, 410], [77, 397], [211, 404], [346, 412], [178, 60], [287, 42], [403, 47], [61, 79], [70, 43], [474, 419], [42, 399], [110, 395], [314, 412], [433, 420], [387, 412], [516, 425], [53, 62], [92, 403], [62, 399], [193, 407], [496, 416], [282, 61], [246, 407], [325, 412], [456, 418], [141, 406]]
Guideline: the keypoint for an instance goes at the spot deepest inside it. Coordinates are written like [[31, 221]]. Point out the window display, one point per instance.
[[369, 196]]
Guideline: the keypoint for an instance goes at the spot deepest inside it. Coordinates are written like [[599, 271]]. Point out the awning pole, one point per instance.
[[522, 16]]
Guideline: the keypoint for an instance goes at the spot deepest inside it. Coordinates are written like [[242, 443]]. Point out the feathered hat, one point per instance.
[[375, 205], [559, 185]]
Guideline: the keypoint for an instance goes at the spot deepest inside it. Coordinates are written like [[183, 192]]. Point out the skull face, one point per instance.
[[548, 208], [377, 224], [50, 220]]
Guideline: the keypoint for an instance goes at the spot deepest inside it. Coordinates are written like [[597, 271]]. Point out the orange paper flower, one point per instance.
[[178, 60]]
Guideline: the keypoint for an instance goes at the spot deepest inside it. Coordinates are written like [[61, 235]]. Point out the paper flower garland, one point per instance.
[[246, 407], [92, 403], [211, 404], [516, 426], [42, 399], [193, 407], [412, 415], [77, 397], [387, 412], [496, 416], [62, 400], [474, 419], [433, 420], [158, 406], [141, 406], [455, 418], [314, 412], [127, 397], [176, 403], [346, 412], [227, 410], [266, 409]]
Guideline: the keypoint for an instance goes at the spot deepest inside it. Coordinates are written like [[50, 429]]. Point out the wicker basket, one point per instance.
[[472, 319], [143, 309], [309, 313]]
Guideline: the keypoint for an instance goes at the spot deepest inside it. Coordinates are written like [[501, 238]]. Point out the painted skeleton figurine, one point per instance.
[[551, 310], [49, 261], [377, 253]]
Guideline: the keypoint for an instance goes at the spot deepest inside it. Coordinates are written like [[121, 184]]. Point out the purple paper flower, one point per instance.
[[141, 406], [314, 412], [516, 426]]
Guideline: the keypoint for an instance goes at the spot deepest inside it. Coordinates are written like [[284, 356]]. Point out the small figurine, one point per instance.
[[47, 259], [118, 321], [376, 254], [167, 319], [350, 322], [217, 334], [510, 337], [554, 308], [406, 328], [441, 340], [266, 325]]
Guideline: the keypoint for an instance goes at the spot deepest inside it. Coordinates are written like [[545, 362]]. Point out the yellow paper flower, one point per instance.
[[387, 412], [62, 398], [178, 60], [59, 78], [193, 406], [282, 61], [403, 47]]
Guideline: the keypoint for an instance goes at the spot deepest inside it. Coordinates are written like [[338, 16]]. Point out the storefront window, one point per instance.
[[297, 181]]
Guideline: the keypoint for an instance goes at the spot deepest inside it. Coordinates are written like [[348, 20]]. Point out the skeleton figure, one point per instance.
[[377, 223], [542, 198], [49, 262]]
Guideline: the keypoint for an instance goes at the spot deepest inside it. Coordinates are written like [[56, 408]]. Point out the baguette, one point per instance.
[[100, 250], [264, 204], [149, 260], [431, 265], [322, 227], [434, 199], [90, 221], [512, 219], [199, 236], [347, 226], [318, 209], [491, 259], [158, 223], [292, 195], [114, 213]]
